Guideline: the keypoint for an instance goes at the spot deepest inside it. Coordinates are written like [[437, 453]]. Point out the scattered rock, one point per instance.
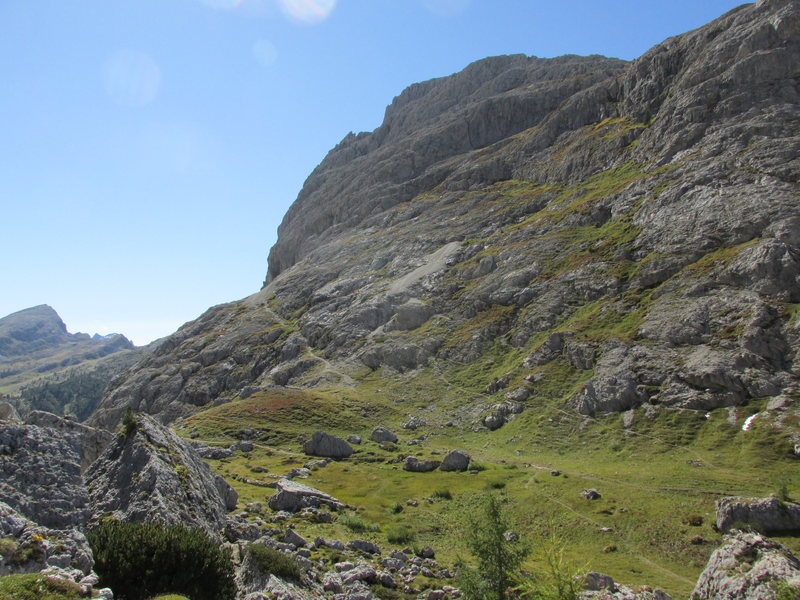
[[457, 460], [591, 494], [413, 464], [354, 439], [330, 446], [414, 423], [292, 497], [364, 546], [381, 434]]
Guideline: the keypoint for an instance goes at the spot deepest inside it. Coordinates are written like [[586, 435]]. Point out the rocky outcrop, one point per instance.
[[747, 567], [327, 445], [92, 441], [766, 515], [41, 475], [151, 474], [292, 497]]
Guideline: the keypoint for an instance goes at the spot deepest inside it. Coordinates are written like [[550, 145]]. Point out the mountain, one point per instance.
[[607, 233], [43, 366], [580, 275]]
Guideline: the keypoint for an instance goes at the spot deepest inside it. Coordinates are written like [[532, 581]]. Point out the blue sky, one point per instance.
[[150, 148]]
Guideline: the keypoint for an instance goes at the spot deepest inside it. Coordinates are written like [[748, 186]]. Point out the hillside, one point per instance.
[[579, 263], [44, 367]]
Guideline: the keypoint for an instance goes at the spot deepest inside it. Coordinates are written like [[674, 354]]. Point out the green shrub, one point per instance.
[[443, 494], [401, 535], [784, 591], [274, 562], [396, 508], [476, 466], [7, 547], [37, 587], [356, 524], [128, 423], [142, 560], [496, 485]]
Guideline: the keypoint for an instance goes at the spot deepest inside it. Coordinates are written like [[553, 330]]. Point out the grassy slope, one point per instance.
[[653, 478]]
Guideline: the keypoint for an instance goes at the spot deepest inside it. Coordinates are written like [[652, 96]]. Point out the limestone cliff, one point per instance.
[[629, 226]]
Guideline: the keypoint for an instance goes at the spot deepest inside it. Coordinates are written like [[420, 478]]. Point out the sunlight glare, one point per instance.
[[308, 12]]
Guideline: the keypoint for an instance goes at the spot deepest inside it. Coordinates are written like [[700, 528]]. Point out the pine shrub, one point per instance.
[[141, 560]]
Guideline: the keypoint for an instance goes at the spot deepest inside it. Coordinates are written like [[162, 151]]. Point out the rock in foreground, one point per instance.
[[153, 475]]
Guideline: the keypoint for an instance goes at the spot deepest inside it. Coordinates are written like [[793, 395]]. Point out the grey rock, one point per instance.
[[292, 497], [354, 439], [45, 547], [364, 546], [153, 475], [591, 494], [327, 445], [41, 468], [381, 434], [293, 538], [457, 460], [495, 421], [745, 567], [92, 441], [211, 452], [8, 413], [768, 515], [414, 423], [413, 464], [594, 581]]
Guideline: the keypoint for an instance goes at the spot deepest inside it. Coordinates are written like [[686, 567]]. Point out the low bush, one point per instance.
[[272, 561], [443, 494], [401, 535], [356, 524], [141, 560], [34, 586], [396, 508]]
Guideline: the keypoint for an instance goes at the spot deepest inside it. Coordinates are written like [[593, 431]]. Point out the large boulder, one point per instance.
[[457, 460], [41, 475], [8, 412], [381, 434], [292, 496], [327, 445], [413, 464], [767, 515], [151, 474], [747, 567]]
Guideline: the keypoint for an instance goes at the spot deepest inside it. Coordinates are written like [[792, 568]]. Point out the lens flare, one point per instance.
[[308, 12], [265, 53], [132, 78]]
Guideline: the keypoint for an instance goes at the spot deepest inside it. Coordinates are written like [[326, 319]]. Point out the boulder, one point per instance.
[[381, 434], [364, 546], [457, 460], [414, 423], [767, 515], [354, 439], [153, 475], [327, 445], [746, 567], [292, 497], [8, 412], [591, 494], [413, 464]]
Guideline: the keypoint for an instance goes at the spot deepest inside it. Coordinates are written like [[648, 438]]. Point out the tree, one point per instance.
[[498, 554]]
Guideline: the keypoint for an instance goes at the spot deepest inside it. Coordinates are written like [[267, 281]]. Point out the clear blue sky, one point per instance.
[[149, 148]]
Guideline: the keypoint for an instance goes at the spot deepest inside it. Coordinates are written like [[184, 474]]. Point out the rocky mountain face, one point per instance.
[[584, 231], [44, 367]]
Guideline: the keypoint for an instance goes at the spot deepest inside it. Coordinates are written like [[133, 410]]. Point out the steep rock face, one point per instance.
[[634, 225], [153, 475], [41, 475]]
